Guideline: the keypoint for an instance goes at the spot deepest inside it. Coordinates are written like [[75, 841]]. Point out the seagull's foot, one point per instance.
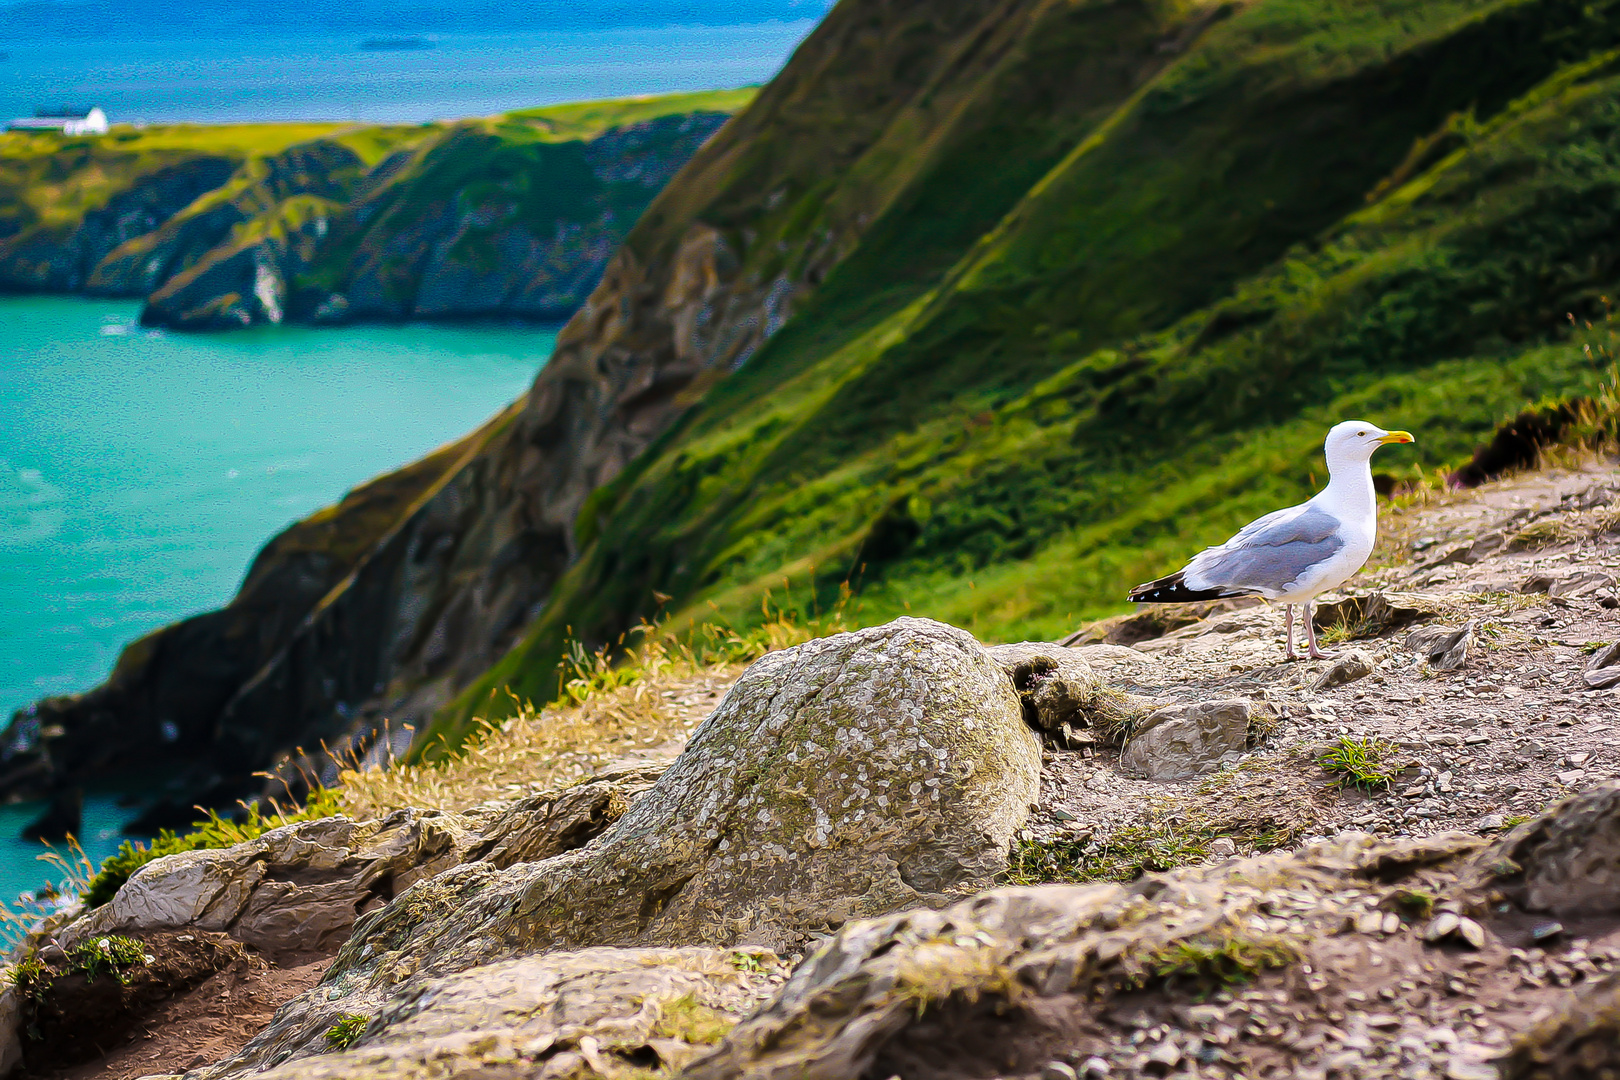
[[1318, 654], [1289, 655]]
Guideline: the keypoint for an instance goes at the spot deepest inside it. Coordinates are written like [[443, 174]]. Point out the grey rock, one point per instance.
[[1186, 740], [1580, 583], [1567, 861], [846, 777], [576, 1013], [1353, 665], [1603, 670], [1443, 648], [303, 885]]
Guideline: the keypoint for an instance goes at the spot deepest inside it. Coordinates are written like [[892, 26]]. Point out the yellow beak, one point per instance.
[[1397, 436]]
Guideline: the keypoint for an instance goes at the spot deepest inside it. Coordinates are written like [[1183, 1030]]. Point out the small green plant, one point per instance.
[[1211, 962], [346, 1031], [1126, 854], [1360, 763], [1339, 631], [31, 978], [112, 955], [1416, 904], [748, 962]]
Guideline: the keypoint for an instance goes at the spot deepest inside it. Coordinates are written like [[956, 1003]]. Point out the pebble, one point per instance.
[[1058, 1070], [1166, 1054]]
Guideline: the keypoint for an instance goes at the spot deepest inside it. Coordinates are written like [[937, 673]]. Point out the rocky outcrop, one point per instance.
[[479, 218], [301, 887], [997, 983], [846, 777], [609, 1013], [849, 806], [69, 258]]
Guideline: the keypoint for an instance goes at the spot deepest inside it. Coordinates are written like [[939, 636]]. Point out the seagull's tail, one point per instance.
[[1174, 590]]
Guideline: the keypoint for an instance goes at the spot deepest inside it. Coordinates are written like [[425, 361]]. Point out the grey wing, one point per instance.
[[1269, 554]]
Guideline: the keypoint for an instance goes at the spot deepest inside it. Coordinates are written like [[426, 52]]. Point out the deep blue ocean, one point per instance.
[[291, 72]]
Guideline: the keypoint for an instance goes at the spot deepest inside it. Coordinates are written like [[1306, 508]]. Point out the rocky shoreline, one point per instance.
[[899, 852]]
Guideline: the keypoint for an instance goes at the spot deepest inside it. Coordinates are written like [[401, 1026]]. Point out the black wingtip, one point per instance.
[[1174, 590]]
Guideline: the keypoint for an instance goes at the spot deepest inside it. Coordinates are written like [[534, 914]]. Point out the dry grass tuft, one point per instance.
[[651, 691]]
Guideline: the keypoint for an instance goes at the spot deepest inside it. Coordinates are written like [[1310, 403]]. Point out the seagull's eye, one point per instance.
[[1360, 434]]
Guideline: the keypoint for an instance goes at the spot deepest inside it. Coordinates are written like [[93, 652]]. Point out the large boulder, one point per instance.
[[847, 777]]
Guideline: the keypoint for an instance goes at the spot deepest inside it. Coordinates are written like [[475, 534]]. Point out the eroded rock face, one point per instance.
[[1062, 698], [1185, 740], [597, 1012], [847, 777], [301, 887]]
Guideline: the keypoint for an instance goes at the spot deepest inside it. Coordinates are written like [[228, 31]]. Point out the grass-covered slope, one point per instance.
[[1308, 211], [229, 225]]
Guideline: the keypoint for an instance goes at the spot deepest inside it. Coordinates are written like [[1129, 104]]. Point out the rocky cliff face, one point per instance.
[[510, 217]]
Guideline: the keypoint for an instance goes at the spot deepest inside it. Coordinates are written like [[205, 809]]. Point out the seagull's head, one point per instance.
[[1355, 440]]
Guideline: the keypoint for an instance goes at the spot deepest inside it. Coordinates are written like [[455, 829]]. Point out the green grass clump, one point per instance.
[[214, 832], [1215, 961], [689, 1020], [112, 955], [1415, 903], [1360, 763], [1126, 854], [346, 1031]]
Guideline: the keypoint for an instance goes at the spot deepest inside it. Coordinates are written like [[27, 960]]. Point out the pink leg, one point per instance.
[[1310, 635], [1288, 633]]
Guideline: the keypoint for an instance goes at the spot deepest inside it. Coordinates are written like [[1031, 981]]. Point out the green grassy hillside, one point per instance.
[[1086, 336]]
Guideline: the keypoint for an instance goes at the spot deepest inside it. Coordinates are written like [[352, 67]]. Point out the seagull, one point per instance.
[[1296, 554]]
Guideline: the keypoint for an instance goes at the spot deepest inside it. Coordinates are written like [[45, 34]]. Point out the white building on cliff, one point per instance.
[[67, 121]]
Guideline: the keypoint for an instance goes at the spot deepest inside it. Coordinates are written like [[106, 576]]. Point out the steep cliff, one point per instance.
[[514, 215], [993, 311]]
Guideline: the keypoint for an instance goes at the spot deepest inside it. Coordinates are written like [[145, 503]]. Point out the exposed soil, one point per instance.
[[1357, 1005], [199, 998]]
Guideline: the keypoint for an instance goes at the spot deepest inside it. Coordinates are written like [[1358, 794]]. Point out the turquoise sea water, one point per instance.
[[141, 470]]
